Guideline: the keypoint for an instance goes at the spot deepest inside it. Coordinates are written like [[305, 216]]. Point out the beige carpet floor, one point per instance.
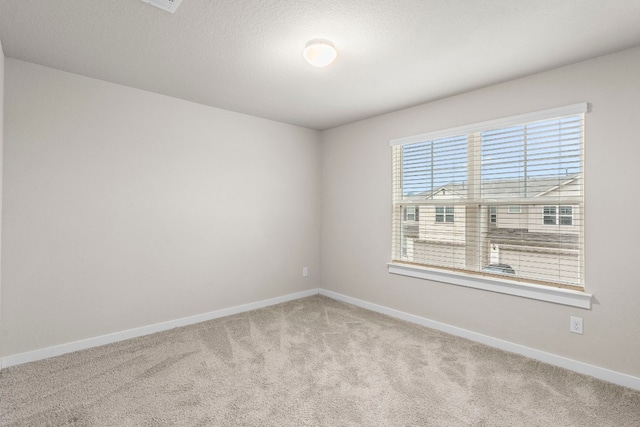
[[313, 361]]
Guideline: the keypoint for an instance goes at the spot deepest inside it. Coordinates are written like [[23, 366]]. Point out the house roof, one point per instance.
[[504, 188]]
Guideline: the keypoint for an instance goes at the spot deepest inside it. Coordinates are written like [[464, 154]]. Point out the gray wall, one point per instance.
[[356, 214], [1, 163], [125, 208]]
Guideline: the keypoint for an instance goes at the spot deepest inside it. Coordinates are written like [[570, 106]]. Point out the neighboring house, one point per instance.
[[539, 241]]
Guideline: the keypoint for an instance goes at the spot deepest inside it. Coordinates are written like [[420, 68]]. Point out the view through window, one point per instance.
[[503, 200]]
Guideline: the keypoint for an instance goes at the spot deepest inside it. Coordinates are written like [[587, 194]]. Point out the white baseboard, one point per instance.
[[552, 359], [32, 356]]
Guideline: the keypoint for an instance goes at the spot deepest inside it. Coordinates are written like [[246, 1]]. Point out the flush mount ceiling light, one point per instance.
[[168, 5], [320, 53]]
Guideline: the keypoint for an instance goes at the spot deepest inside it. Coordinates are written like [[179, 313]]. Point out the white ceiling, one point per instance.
[[246, 55]]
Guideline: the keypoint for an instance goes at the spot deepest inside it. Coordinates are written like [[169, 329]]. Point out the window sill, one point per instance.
[[510, 287]]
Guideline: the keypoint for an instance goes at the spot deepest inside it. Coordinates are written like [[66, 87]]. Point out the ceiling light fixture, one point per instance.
[[320, 53], [168, 5]]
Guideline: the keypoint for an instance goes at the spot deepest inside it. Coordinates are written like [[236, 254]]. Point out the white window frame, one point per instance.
[[561, 215], [493, 214], [548, 215], [446, 213], [514, 209], [575, 298], [557, 216], [410, 211]]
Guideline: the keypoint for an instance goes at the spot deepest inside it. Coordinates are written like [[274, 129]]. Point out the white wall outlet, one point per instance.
[[575, 325], [305, 271]]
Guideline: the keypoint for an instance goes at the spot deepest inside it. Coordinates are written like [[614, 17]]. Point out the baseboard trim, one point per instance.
[[32, 356], [552, 359]]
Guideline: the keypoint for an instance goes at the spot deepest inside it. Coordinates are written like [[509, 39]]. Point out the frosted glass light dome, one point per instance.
[[320, 53]]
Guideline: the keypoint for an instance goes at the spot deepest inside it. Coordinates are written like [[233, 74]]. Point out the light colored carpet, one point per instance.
[[313, 361]]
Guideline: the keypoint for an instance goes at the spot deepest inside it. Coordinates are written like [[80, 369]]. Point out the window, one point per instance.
[[550, 215], [531, 165], [558, 215], [566, 215], [444, 214], [411, 213]]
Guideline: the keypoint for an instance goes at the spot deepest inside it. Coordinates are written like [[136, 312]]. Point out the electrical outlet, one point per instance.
[[575, 325], [305, 271]]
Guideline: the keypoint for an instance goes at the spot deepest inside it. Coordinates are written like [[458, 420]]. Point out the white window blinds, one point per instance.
[[467, 182]]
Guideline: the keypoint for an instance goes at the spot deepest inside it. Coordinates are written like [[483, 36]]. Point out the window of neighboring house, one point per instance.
[[558, 215], [411, 213], [527, 160], [444, 214], [550, 215], [566, 215]]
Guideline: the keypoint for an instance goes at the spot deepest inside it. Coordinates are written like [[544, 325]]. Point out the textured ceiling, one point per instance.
[[246, 55]]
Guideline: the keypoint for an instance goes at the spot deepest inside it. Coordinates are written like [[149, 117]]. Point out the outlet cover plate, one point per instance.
[[575, 325]]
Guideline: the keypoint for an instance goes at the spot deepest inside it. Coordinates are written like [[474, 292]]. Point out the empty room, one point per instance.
[[332, 213]]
